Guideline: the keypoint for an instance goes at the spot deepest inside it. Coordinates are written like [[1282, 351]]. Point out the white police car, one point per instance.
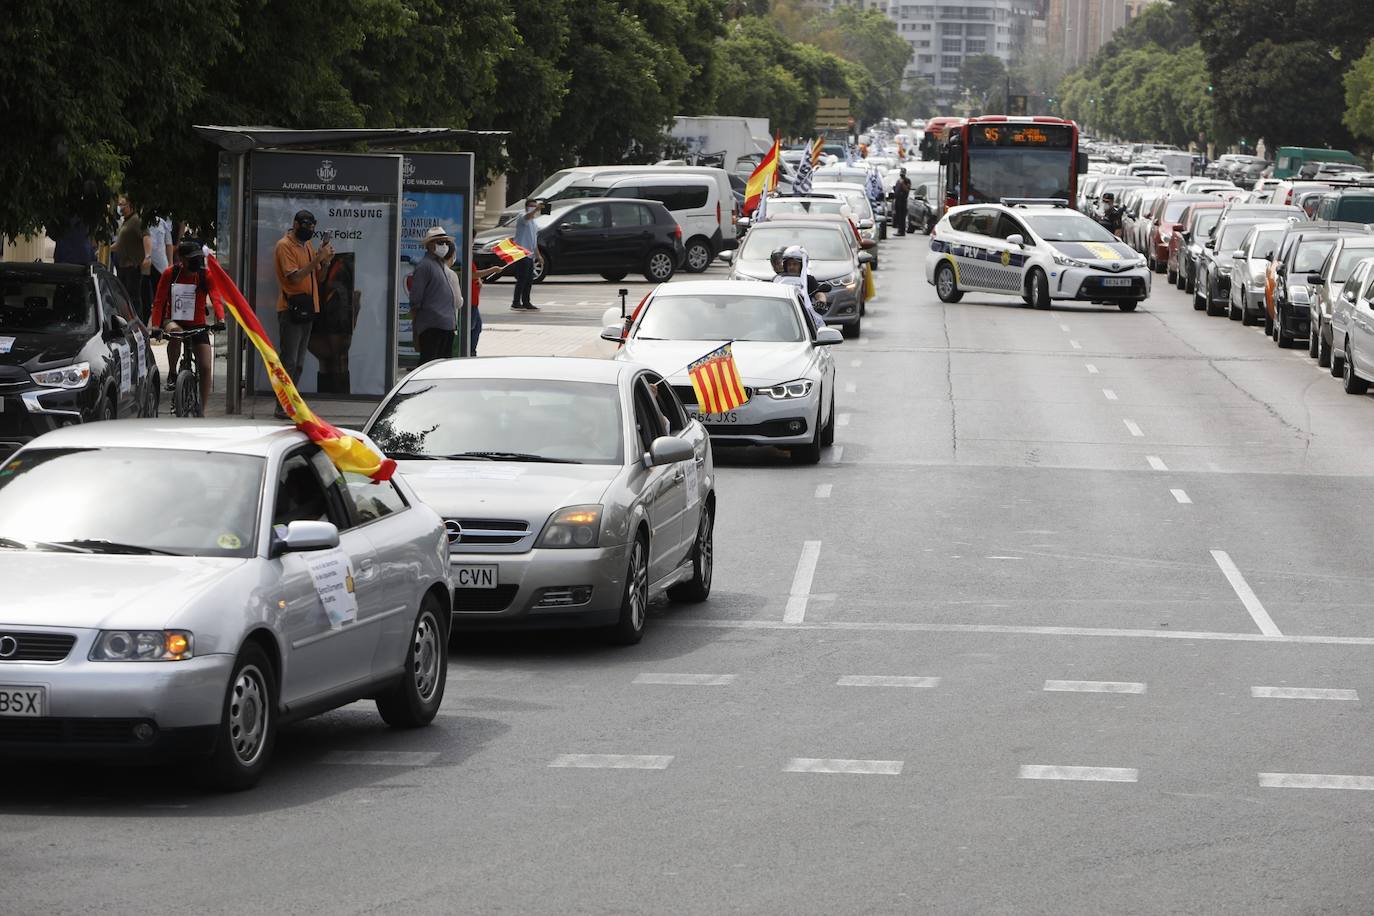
[[1038, 251]]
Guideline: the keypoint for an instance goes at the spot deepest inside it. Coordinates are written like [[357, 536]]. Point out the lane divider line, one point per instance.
[[836, 454], [801, 583], [1303, 693], [1092, 370], [850, 387], [1245, 593], [823, 490], [1109, 394], [849, 767], [882, 680], [1094, 687], [1064, 328], [1181, 497], [685, 680], [1081, 774], [856, 363], [1075, 344], [841, 419], [1314, 781], [1132, 428], [612, 761], [1156, 463]]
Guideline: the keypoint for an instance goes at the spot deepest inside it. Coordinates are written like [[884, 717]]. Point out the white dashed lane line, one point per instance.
[[1303, 693], [1181, 497], [1109, 394], [801, 583], [883, 680], [1314, 781], [841, 419], [823, 490], [1092, 370], [1132, 428], [1094, 687], [685, 680], [856, 363], [1064, 328], [1075, 344], [850, 767], [380, 758], [1246, 594], [612, 761], [850, 387], [1080, 774], [1156, 463]]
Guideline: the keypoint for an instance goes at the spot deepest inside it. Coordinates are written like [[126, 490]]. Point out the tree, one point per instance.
[[1359, 96], [985, 76]]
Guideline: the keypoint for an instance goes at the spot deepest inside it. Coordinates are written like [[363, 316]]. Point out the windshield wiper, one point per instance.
[[410, 456], [512, 456], [101, 545], [14, 544]]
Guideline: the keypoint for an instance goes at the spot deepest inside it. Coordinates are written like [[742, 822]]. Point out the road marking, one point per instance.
[[1246, 595], [380, 758], [882, 680], [1156, 463], [823, 490], [841, 419], [856, 363], [1094, 687], [1075, 344], [1092, 370], [612, 761], [836, 454], [1303, 693], [685, 680], [1314, 781], [851, 767], [1064, 328], [1109, 394], [1083, 774], [1132, 428], [850, 387], [801, 583], [1181, 497], [1004, 558]]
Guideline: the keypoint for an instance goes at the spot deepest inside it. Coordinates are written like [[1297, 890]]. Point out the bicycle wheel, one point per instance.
[[186, 397]]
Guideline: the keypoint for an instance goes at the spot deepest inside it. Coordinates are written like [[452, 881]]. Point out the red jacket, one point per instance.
[[162, 304]]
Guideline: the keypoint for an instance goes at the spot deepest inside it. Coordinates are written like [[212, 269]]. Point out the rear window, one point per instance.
[[1355, 210], [1311, 255], [1174, 210], [1350, 256], [679, 197]]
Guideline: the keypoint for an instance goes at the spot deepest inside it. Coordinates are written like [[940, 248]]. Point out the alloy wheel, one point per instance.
[[698, 258], [705, 549], [660, 266], [639, 586]]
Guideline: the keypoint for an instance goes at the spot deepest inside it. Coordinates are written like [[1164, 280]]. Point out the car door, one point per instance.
[[1012, 258], [663, 488], [124, 347], [630, 235], [979, 250], [581, 234], [1341, 301], [1361, 318], [695, 472], [325, 650]]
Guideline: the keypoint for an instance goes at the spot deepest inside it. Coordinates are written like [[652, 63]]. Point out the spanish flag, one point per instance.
[[716, 381], [509, 252], [764, 178], [347, 453]]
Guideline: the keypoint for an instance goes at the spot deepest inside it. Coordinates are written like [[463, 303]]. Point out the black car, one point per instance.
[[71, 351], [608, 236]]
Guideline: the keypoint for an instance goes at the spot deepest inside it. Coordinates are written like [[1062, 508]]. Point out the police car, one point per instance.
[[1038, 250]]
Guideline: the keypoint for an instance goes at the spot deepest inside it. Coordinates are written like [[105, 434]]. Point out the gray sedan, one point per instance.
[[574, 490], [261, 585]]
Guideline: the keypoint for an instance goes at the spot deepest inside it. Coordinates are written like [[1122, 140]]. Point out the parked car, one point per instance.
[[1185, 246], [574, 491], [1164, 222], [1040, 253], [1329, 285], [1350, 205], [784, 361], [1352, 330], [610, 237], [1212, 288], [72, 350], [268, 587], [555, 186], [1288, 295], [1246, 298], [835, 258]]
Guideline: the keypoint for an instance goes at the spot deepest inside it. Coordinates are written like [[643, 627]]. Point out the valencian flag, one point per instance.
[[764, 178], [716, 381], [509, 252], [348, 454]]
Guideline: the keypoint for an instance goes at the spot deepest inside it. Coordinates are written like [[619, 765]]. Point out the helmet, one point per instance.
[[793, 254], [775, 258], [189, 248]]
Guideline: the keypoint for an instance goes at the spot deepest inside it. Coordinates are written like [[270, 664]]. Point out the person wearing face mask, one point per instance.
[[527, 237], [300, 271], [182, 303], [435, 297], [133, 255]]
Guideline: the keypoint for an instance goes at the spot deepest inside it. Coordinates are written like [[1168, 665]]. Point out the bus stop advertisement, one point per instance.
[[356, 200], [436, 190]]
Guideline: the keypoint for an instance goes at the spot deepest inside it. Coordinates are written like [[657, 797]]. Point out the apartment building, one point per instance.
[[942, 34]]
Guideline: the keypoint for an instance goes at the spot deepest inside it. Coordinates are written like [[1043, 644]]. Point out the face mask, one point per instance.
[[305, 233], [196, 264], [441, 250]]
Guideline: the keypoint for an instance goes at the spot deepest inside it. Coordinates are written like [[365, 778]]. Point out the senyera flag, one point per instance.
[[348, 454], [509, 252], [716, 381], [764, 178]]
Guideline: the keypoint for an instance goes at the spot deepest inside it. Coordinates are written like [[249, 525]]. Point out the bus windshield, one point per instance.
[[998, 172]]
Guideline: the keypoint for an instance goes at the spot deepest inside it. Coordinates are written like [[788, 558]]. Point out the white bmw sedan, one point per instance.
[[784, 361], [181, 589]]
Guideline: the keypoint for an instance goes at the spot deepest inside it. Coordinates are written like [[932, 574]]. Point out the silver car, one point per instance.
[[182, 589], [834, 255], [574, 490]]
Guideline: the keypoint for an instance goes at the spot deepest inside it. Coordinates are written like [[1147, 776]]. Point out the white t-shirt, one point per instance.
[[160, 231]]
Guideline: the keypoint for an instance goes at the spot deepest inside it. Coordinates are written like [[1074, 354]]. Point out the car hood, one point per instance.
[[1099, 254], [98, 591], [33, 351], [759, 363], [506, 489], [821, 270]]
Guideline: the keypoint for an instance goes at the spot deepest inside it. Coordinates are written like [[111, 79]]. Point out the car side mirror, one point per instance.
[[744, 222], [301, 536], [564, 227], [827, 337], [1210, 243], [865, 224], [1016, 239], [727, 256], [1315, 280], [116, 326], [668, 450], [1238, 254], [613, 332], [866, 257]]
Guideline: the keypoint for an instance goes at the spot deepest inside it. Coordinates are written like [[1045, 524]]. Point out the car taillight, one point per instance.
[[718, 213], [677, 231], [734, 214]]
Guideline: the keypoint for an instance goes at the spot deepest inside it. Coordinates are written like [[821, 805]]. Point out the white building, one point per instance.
[[943, 32]]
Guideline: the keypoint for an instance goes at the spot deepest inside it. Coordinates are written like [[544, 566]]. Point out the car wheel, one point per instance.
[[946, 287], [658, 266], [698, 256], [1282, 336], [107, 409], [614, 276], [1129, 305], [541, 269], [414, 700], [1213, 310], [811, 452], [247, 730], [698, 588], [1353, 384], [634, 604], [1233, 313], [1189, 283], [1171, 276], [152, 398], [828, 430], [1313, 340], [1039, 286], [851, 331], [1337, 363]]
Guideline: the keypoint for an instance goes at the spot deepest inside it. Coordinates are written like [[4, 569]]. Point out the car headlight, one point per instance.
[[786, 391], [143, 646], [1064, 260], [574, 526], [1139, 262], [74, 376], [846, 280]]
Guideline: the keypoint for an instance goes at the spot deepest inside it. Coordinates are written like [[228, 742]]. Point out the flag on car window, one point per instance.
[[348, 454], [874, 185], [509, 252], [764, 178], [802, 185], [716, 381]]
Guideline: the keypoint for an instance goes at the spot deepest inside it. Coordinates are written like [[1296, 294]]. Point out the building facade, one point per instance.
[[942, 33], [1075, 29]]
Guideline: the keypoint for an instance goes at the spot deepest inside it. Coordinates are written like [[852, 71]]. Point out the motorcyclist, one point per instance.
[[1111, 214], [791, 265], [182, 303]]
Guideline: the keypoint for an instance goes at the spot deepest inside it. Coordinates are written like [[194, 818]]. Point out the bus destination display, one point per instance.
[[1045, 136]]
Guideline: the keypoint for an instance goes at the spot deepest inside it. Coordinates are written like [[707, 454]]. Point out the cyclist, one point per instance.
[[180, 305]]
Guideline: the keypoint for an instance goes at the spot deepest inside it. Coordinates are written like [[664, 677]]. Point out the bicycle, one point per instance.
[[186, 375]]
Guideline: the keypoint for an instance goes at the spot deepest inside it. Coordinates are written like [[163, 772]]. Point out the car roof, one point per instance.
[[808, 217], [558, 368], [724, 288], [606, 181], [240, 437]]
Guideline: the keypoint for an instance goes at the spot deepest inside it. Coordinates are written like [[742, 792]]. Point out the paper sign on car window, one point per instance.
[[332, 573], [6, 344]]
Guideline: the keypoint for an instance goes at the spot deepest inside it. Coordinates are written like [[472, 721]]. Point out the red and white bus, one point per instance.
[[993, 158]]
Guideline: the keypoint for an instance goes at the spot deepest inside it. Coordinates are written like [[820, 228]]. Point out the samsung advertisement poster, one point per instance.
[[435, 192]]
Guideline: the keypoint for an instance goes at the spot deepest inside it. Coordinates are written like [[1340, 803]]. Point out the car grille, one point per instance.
[[486, 532], [35, 647], [483, 600], [70, 731]]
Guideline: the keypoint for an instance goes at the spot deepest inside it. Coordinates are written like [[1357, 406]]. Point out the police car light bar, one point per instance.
[[1034, 202]]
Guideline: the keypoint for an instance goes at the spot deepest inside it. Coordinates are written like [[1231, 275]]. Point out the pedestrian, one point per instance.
[[435, 300], [527, 237], [133, 256], [476, 298], [162, 253], [73, 245], [901, 194], [300, 270]]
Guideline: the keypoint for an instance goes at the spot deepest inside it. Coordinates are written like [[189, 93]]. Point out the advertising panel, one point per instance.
[[435, 192]]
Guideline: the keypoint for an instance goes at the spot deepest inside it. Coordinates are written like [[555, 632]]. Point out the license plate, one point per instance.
[[30, 702], [1116, 281], [718, 418], [474, 577]]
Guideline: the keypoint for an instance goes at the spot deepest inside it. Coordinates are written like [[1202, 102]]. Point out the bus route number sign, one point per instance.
[[1004, 135]]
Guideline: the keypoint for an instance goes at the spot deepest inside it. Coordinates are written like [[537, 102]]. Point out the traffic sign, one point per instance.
[[832, 112]]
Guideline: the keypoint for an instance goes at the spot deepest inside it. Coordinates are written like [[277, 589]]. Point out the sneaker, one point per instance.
[[530, 308]]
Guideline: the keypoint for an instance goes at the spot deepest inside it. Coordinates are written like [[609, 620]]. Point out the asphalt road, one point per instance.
[[1073, 619]]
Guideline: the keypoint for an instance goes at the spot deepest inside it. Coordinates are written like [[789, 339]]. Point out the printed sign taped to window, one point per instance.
[[332, 572]]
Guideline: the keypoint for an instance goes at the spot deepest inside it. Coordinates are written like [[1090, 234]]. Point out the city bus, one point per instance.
[[992, 158]]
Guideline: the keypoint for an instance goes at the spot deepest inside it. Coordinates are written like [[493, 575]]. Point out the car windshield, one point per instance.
[[857, 200], [523, 419], [1311, 255], [1004, 171], [721, 317], [1068, 227], [1356, 210], [1174, 209], [1206, 221], [578, 192], [1265, 243], [554, 183], [96, 499], [821, 244], [1233, 236], [1350, 256], [33, 305]]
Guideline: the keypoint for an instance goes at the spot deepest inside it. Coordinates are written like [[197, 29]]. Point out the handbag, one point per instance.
[[300, 308]]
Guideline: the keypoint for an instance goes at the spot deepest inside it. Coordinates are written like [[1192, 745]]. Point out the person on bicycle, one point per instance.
[[180, 305]]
